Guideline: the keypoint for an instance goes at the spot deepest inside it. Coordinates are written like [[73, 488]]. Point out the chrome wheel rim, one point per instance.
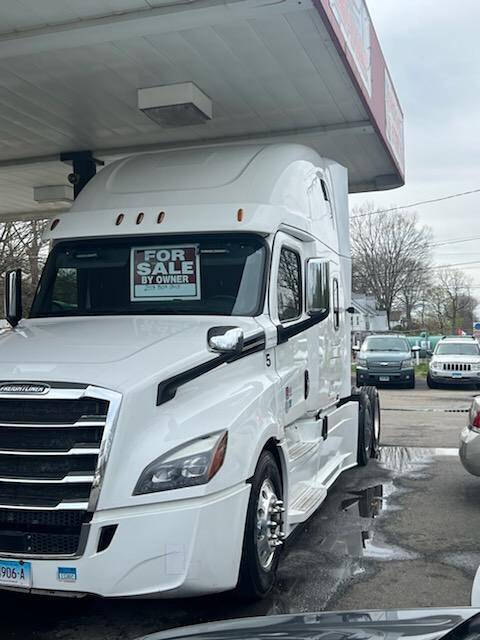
[[376, 422], [268, 534], [369, 430]]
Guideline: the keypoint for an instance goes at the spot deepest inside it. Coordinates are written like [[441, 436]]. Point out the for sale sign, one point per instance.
[[165, 273]]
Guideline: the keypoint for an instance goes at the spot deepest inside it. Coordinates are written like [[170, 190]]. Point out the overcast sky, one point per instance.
[[432, 48]]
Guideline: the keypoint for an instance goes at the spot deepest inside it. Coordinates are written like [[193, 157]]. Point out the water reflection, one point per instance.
[[369, 501]]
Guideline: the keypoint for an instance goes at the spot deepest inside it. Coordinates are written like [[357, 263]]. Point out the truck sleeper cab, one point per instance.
[[179, 399]]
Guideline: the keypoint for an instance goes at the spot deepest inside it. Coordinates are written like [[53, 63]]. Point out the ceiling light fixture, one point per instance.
[[175, 105]]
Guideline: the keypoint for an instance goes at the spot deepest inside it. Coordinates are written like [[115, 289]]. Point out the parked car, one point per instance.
[[455, 360], [408, 624], [386, 359], [470, 441]]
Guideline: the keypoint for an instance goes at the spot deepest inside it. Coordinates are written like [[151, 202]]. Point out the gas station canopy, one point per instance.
[[218, 71]]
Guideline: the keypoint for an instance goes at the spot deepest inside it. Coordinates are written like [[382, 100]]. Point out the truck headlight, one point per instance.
[[435, 366], [475, 367], [193, 463], [361, 362], [407, 364]]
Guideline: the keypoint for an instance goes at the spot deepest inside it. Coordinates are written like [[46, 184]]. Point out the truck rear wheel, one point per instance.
[[263, 537], [365, 428]]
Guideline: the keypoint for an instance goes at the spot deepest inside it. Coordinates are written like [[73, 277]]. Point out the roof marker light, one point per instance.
[[54, 224], [161, 217], [240, 215], [119, 219], [140, 217]]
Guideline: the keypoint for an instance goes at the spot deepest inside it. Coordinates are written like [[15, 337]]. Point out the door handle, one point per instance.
[[325, 427]]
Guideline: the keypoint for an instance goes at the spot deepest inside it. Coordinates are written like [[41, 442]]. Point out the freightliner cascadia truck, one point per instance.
[[179, 399]]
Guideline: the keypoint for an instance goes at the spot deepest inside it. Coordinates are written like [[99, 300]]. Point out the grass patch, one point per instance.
[[422, 369]]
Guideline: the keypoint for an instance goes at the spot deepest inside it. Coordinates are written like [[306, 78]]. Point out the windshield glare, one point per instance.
[[385, 344], [457, 349], [194, 274]]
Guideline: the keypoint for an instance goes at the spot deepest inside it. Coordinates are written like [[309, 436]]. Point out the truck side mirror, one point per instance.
[[225, 340], [13, 297], [415, 348]]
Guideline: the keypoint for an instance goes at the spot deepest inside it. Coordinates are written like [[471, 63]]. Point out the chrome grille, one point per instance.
[[383, 365], [52, 456], [457, 366]]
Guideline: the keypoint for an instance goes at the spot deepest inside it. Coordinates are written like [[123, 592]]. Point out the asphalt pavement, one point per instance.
[[402, 532]]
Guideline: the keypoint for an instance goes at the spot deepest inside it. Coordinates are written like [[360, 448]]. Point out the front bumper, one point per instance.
[[395, 376], [182, 548], [470, 450], [461, 377]]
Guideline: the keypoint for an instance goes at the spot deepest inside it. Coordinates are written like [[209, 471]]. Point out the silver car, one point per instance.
[[470, 440], [455, 361]]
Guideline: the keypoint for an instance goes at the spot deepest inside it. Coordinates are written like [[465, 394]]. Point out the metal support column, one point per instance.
[[84, 167]]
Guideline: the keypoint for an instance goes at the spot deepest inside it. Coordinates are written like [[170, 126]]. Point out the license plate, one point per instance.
[[456, 375], [15, 574], [384, 378]]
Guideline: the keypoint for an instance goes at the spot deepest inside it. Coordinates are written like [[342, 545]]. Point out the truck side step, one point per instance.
[[305, 500], [300, 449]]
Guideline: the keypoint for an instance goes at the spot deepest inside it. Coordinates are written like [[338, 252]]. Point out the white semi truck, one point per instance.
[[180, 398]]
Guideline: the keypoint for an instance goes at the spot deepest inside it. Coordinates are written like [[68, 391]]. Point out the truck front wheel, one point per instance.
[[366, 428], [263, 531], [372, 393]]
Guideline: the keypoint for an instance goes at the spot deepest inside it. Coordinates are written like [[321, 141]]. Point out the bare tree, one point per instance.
[[21, 246], [450, 300], [389, 251], [414, 292]]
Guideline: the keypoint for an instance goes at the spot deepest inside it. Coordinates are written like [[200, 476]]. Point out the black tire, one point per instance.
[[255, 582], [431, 384], [365, 428], [373, 396]]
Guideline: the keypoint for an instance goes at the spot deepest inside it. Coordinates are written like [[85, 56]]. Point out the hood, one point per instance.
[[109, 351], [456, 358], [417, 624], [386, 356]]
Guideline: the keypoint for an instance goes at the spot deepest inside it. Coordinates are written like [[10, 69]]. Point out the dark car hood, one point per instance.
[[417, 624]]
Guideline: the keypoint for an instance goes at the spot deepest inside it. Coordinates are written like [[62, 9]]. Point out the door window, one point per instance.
[[318, 288], [289, 285]]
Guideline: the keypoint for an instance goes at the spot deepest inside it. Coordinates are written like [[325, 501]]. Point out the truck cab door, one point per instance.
[[337, 351], [287, 312]]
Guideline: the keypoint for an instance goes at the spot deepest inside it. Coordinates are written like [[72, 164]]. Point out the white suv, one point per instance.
[[455, 361]]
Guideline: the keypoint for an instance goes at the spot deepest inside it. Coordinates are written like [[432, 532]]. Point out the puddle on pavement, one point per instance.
[[410, 461], [369, 502], [344, 541]]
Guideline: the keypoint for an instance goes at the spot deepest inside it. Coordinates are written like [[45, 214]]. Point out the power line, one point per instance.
[[459, 240], [438, 266], [416, 204], [455, 264]]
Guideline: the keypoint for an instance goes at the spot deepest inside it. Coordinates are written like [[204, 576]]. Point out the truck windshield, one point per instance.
[[194, 274], [385, 344], [458, 349]]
